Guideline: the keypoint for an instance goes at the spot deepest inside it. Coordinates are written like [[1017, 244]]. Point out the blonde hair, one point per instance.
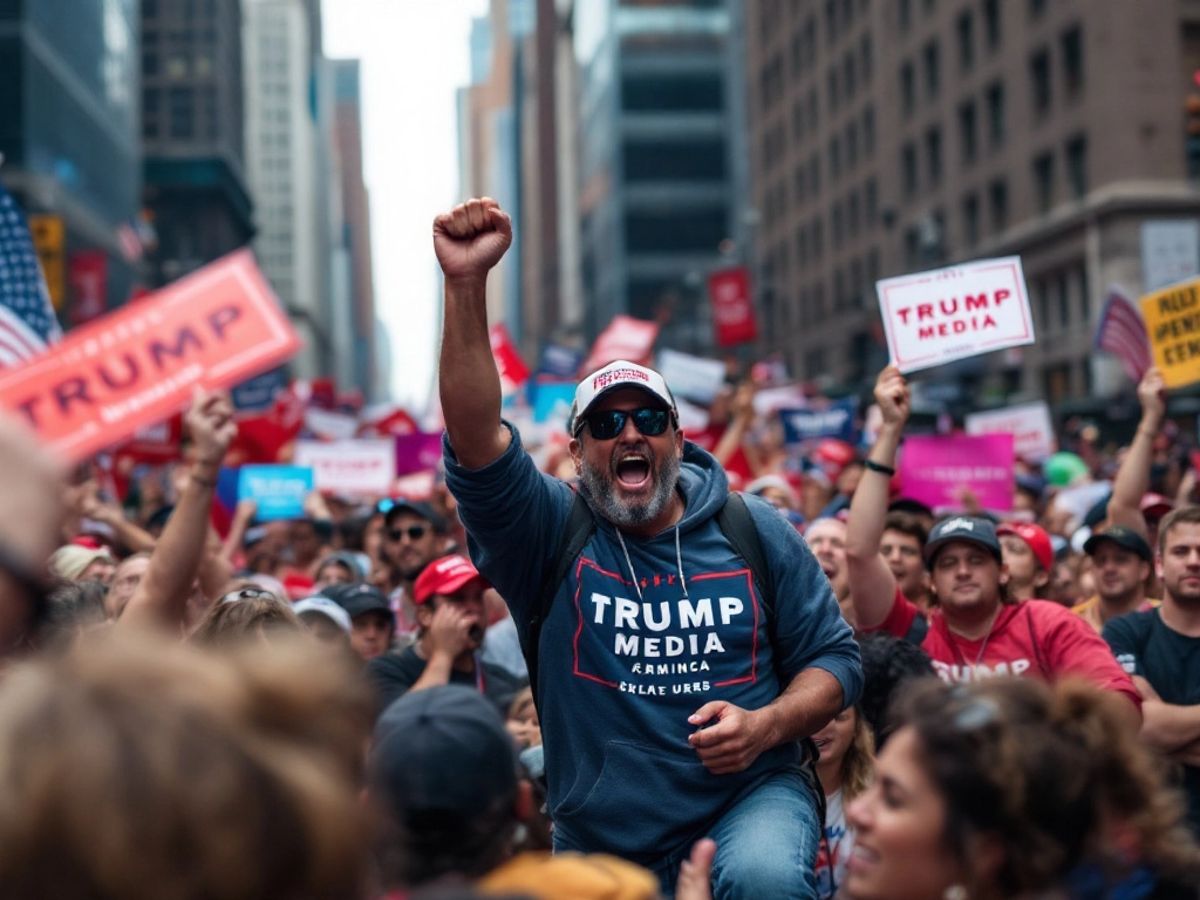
[[142, 769], [858, 765], [233, 621]]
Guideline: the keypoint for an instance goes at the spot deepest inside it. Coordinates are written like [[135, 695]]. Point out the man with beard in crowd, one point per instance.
[[672, 687], [1160, 648], [413, 536]]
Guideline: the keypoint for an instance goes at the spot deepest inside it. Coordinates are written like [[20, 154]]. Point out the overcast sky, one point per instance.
[[414, 54]]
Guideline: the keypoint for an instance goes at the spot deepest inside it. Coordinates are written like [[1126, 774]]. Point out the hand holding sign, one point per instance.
[[1151, 393], [893, 398], [471, 238]]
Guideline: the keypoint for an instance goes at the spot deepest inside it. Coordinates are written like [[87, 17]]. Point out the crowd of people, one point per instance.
[[591, 668]]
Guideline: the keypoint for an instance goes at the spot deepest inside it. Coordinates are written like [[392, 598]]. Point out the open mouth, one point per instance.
[[633, 471]]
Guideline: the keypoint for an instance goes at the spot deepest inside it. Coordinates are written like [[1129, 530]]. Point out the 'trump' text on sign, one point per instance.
[[942, 315], [140, 364]]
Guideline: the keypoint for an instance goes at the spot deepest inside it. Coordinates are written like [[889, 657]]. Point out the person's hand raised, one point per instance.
[[892, 395], [1152, 393], [471, 238], [211, 426]]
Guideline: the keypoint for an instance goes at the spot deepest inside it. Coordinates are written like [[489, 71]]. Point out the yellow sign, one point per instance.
[[49, 239], [1172, 318]]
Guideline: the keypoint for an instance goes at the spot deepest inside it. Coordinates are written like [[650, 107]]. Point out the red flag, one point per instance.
[[624, 338], [512, 369], [87, 273], [732, 307], [1122, 332]]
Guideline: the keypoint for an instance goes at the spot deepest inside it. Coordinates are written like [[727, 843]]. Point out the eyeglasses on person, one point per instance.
[[606, 425], [412, 532]]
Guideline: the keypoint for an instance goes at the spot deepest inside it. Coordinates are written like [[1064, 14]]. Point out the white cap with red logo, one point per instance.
[[618, 374]]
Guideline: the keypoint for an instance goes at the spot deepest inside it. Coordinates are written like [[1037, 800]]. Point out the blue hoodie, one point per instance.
[[624, 664]]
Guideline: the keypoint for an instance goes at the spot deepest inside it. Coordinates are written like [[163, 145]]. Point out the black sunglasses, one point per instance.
[[414, 532], [606, 425]]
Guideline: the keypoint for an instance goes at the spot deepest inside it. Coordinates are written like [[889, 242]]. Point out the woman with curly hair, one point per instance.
[[1012, 788]]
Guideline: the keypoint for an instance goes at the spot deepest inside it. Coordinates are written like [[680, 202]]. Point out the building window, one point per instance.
[[852, 144], [970, 210], [814, 175], [908, 169], [1072, 57], [866, 58], [908, 88], [797, 54], [1043, 180], [998, 200], [1036, 8], [868, 130], [873, 266], [1077, 166], [912, 247], [831, 80], [1039, 80], [872, 203], [852, 214], [835, 156], [932, 70], [991, 23], [995, 104], [968, 128], [904, 14], [933, 153], [797, 121], [818, 238], [966, 40]]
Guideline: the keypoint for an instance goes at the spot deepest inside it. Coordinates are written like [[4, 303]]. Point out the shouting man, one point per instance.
[[674, 686]]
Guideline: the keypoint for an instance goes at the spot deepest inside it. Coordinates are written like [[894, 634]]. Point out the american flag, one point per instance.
[[27, 320], [1122, 332]]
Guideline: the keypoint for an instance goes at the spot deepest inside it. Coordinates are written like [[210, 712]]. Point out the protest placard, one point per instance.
[[278, 491], [552, 402], [935, 468], [836, 420], [1173, 323], [692, 377], [942, 315], [732, 306], [418, 452], [140, 364], [1028, 423], [624, 338], [354, 468]]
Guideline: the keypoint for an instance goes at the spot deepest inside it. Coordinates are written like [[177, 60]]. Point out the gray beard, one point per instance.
[[602, 492]]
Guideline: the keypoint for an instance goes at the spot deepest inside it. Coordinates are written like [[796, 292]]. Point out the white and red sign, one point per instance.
[[624, 338], [1029, 424], [512, 369], [732, 306], [356, 468], [942, 315]]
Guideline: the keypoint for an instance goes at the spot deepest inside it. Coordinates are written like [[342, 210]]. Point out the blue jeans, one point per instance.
[[766, 844]]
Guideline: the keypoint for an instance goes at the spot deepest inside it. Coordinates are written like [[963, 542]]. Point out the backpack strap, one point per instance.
[[739, 529], [580, 526]]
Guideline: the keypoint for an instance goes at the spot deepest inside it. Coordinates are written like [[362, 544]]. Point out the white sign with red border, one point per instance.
[[1029, 424], [935, 317], [362, 467]]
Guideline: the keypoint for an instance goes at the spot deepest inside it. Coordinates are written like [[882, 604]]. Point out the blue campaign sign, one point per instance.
[[560, 361], [552, 402], [834, 421], [279, 491], [258, 393]]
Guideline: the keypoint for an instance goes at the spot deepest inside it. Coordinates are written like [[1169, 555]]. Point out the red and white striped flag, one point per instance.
[[1122, 332]]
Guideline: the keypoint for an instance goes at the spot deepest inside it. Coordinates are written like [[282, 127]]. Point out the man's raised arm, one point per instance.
[[1133, 477], [469, 240], [872, 585]]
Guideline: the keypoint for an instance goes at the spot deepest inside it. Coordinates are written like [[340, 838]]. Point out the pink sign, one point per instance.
[[935, 468], [418, 452]]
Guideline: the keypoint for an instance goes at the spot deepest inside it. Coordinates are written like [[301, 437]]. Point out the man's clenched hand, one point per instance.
[[471, 238]]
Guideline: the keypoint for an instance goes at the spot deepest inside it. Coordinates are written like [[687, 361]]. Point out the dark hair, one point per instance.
[[907, 523], [419, 847], [1048, 771], [1185, 515], [888, 664], [71, 607]]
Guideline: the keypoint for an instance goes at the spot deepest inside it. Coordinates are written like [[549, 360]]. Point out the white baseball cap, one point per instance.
[[326, 607], [618, 374]]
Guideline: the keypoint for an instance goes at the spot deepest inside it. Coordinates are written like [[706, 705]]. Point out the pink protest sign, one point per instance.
[[418, 452], [935, 468]]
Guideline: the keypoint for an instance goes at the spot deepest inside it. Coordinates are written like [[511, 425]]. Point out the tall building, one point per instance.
[[366, 372], [288, 124], [895, 136], [192, 131], [659, 199], [70, 136]]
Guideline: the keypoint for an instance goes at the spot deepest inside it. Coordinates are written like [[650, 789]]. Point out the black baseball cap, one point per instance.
[[442, 749], [392, 507], [1123, 537], [969, 529], [359, 598]]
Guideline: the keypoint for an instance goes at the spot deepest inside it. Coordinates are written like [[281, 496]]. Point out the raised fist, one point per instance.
[[471, 238], [891, 393]]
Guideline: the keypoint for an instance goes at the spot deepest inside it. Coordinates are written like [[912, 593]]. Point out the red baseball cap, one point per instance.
[[1037, 539], [1155, 505], [445, 576]]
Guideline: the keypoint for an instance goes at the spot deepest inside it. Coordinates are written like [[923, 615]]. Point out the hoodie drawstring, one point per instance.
[[678, 563]]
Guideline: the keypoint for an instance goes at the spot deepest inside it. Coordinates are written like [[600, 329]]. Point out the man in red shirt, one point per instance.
[[976, 631]]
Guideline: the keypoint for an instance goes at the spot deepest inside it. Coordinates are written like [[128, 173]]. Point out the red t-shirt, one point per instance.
[[1034, 637]]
